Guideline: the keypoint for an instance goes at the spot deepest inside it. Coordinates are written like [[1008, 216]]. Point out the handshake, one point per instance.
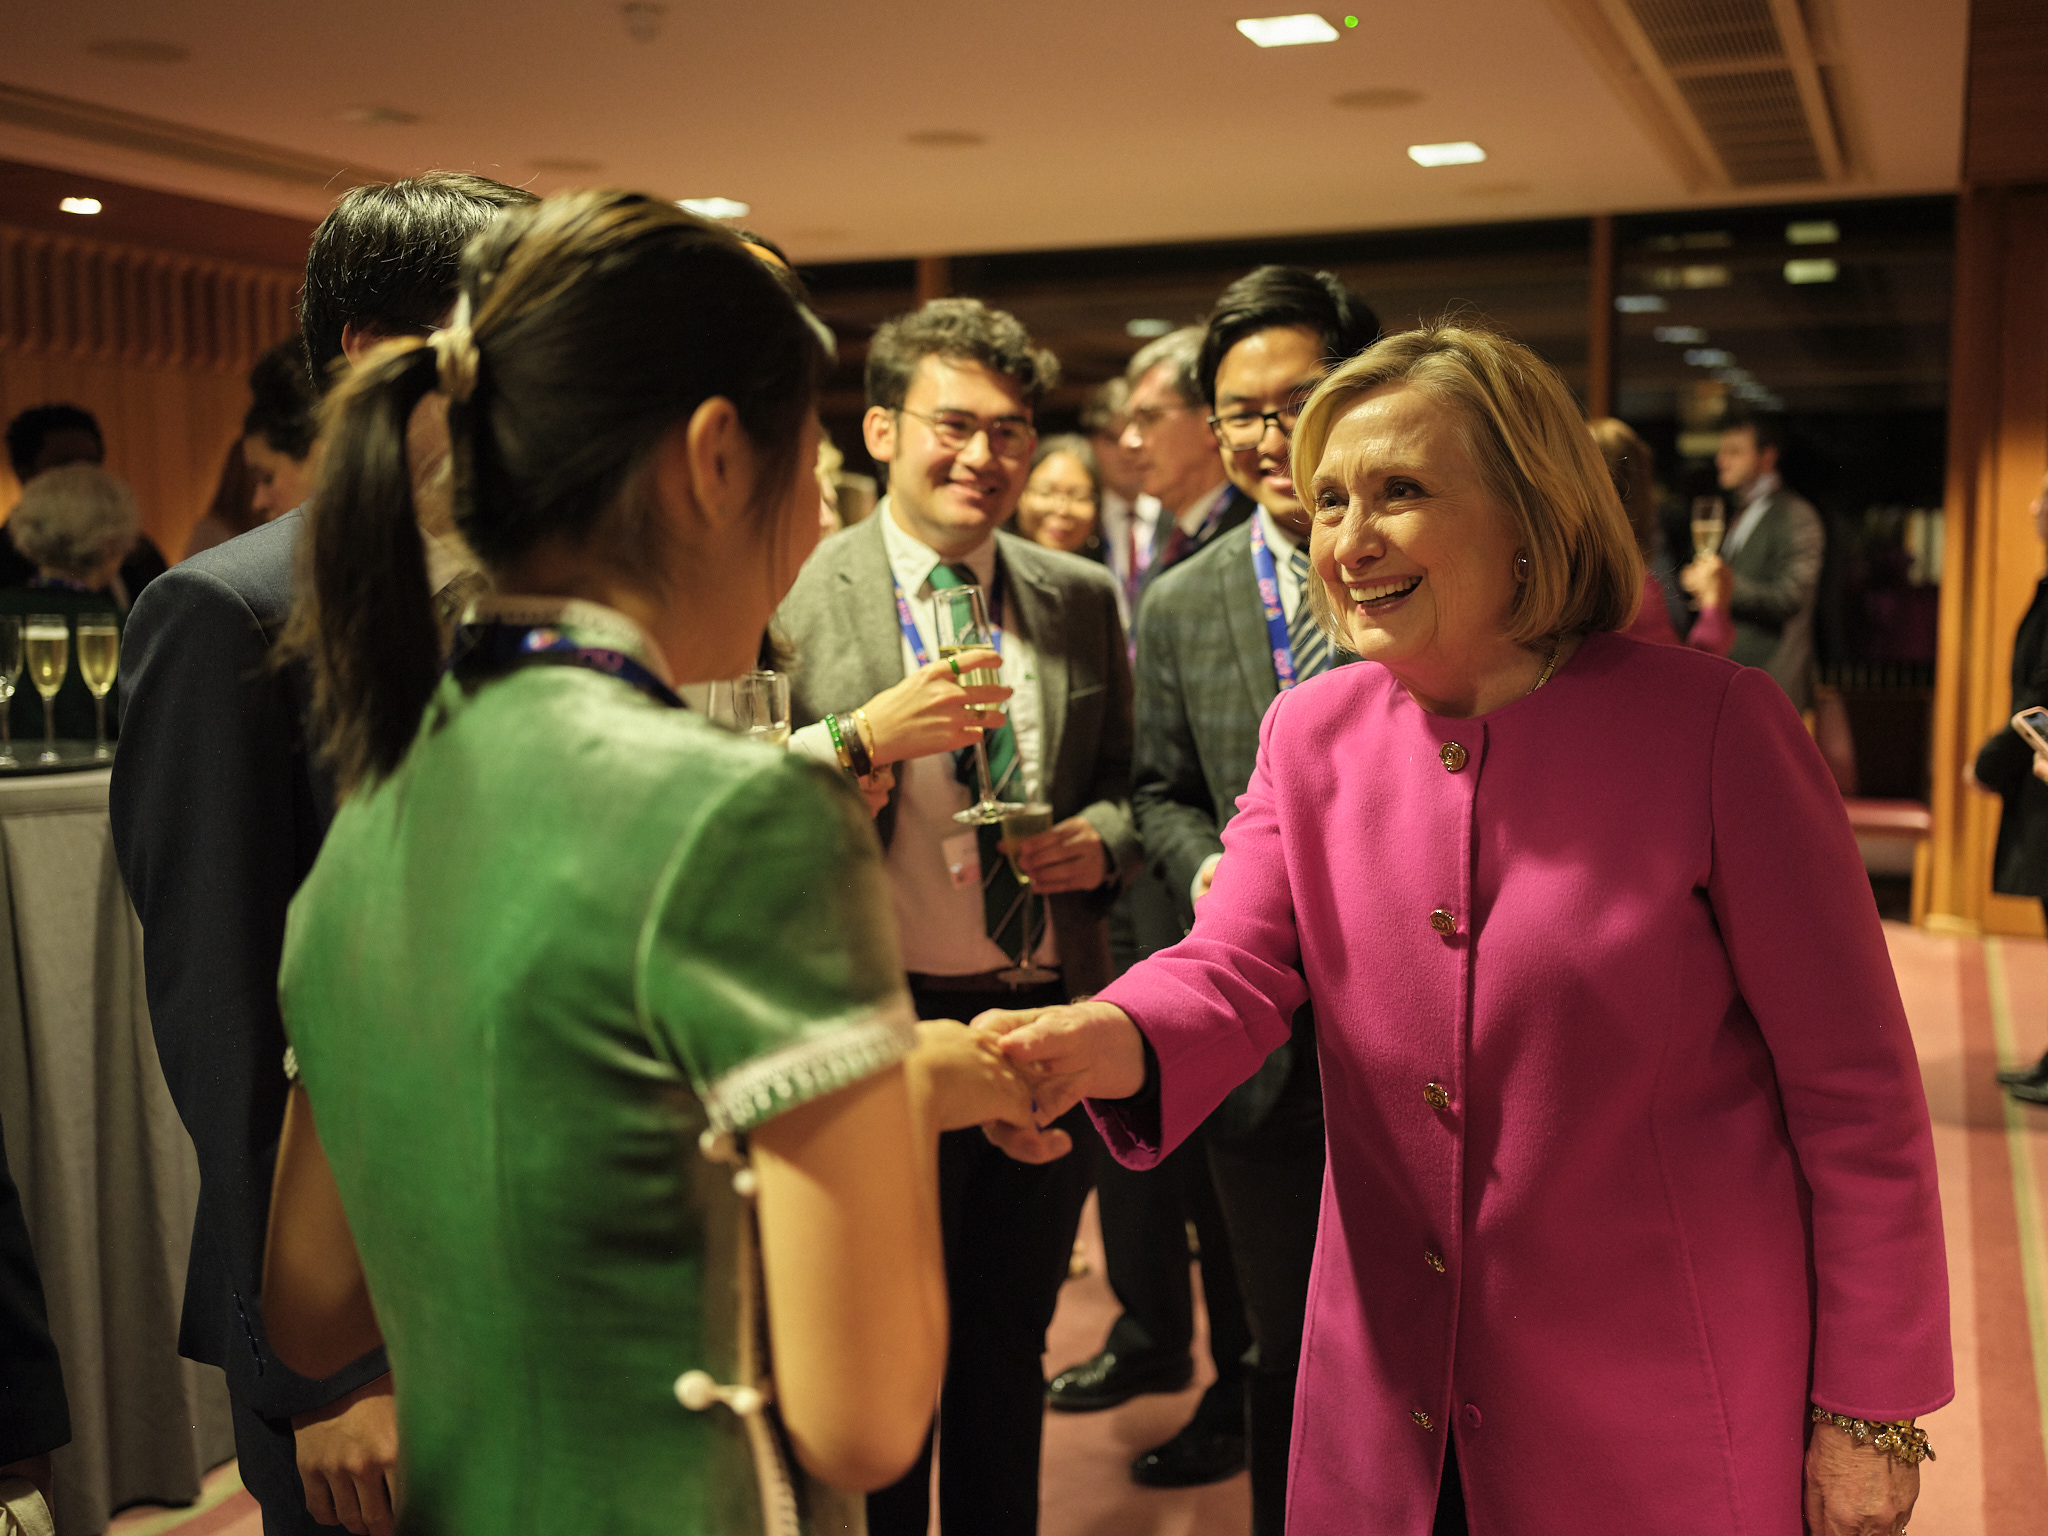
[[1014, 1073]]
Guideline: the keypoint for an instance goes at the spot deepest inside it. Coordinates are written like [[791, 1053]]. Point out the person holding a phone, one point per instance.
[[2013, 765]]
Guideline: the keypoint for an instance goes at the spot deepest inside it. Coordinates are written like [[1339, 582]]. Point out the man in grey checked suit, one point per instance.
[[1206, 675], [951, 391], [1774, 545]]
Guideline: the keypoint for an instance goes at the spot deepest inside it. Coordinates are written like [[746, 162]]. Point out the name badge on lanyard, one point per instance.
[[1276, 616]]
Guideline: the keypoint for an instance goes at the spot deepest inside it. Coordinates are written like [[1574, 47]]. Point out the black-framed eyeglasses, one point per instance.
[[1242, 431], [1008, 436]]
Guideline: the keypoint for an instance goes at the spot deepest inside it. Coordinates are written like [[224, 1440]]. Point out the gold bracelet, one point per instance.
[[1900, 1441], [867, 732]]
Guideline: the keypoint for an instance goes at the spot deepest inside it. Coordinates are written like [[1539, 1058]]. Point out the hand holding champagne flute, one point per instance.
[[48, 643], [960, 616]]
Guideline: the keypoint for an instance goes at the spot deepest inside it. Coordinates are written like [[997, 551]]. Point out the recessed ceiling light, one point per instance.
[[1640, 303], [138, 50], [1286, 31], [1814, 269], [1812, 232], [78, 205], [946, 138], [1464, 152], [1147, 327], [1377, 99], [370, 116], [715, 207], [1680, 335]]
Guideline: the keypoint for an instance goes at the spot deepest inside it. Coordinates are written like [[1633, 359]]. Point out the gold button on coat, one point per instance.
[[1438, 1098], [1421, 1418], [1443, 922], [1452, 755], [1435, 1261]]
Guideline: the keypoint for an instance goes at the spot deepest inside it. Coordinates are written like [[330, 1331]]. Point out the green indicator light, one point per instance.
[[1350, 21]]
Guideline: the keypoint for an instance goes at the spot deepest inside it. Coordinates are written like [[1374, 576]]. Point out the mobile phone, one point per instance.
[[2033, 724]]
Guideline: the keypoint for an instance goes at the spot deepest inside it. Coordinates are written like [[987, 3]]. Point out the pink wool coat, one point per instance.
[[1628, 1150]]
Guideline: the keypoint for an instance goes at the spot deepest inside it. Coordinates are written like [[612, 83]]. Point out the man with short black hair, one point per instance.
[[1774, 547], [1224, 633], [219, 805], [952, 390]]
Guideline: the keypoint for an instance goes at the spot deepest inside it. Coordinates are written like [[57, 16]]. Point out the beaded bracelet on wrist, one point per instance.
[[838, 742], [1900, 1441]]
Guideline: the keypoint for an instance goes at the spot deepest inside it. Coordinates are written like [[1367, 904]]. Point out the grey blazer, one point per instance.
[[840, 619], [1777, 582], [1205, 680]]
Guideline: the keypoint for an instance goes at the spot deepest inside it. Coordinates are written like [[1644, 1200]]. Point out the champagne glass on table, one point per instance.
[[99, 659], [47, 639], [1026, 821], [10, 675], [960, 616], [1709, 523]]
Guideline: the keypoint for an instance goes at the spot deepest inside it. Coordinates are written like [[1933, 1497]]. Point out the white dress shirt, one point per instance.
[[1752, 512], [934, 868]]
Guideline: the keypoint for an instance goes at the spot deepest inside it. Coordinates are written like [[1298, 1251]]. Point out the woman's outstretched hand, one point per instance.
[[1075, 1052], [964, 1079], [1856, 1490]]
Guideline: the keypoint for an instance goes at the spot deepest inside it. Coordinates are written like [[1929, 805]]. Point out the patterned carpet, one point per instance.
[[1975, 1004]]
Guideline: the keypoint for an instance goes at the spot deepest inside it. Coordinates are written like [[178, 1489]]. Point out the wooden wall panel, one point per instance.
[[157, 345]]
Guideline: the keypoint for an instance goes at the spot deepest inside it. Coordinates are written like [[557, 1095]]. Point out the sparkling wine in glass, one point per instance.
[[99, 659], [1709, 523], [960, 617], [1022, 821], [10, 677], [47, 639]]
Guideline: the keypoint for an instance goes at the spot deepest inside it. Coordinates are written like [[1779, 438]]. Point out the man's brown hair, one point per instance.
[[966, 329]]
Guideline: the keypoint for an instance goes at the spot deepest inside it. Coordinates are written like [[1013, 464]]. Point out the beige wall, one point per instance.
[[157, 346]]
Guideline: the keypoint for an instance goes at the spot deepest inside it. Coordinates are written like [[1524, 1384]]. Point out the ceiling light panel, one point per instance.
[[78, 205], [1464, 152], [1287, 31]]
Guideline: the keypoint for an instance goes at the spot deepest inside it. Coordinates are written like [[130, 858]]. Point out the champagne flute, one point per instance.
[[10, 675], [1709, 523], [48, 643], [960, 616], [1023, 821], [99, 658], [759, 702]]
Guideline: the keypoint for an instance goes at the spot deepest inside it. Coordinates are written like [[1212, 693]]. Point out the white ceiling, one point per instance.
[[1105, 122]]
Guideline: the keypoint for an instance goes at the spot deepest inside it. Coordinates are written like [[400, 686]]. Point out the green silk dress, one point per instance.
[[538, 982]]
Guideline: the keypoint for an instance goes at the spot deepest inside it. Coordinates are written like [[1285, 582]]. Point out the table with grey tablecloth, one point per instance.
[[107, 1176]]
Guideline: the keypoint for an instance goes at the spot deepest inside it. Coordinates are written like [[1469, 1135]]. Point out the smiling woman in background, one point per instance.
[[1061, 497], [1630, 1221]]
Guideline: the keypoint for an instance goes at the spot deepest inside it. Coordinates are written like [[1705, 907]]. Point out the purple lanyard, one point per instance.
[[1276, 616], [493, 648], [905, 618]]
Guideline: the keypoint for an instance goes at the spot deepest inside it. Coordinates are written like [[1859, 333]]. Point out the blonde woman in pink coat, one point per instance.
[[1630, 1222]]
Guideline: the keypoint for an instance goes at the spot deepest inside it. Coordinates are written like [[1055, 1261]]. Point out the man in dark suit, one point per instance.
[[1167, 426], [1773, 547], [219, 805], [951, 392], [1210, 656]]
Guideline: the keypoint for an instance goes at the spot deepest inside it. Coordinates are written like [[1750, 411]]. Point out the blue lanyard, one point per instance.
[[908, 620], [1276, 616], [491, 649]]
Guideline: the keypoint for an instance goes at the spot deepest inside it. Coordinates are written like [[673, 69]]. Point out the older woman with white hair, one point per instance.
[[1630, 1220], [75, 523]]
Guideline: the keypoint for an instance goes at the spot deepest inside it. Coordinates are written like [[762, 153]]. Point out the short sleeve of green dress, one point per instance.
[[574, 943]]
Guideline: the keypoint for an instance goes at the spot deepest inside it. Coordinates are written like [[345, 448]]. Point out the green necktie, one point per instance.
[[1002, 897]]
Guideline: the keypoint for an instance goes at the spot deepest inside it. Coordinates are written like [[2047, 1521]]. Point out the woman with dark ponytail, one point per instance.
[[600, 1009]]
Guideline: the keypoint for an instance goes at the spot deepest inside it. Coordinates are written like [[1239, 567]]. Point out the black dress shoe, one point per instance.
[[1198, 1454], [2029, 1077], [1109, 1379]]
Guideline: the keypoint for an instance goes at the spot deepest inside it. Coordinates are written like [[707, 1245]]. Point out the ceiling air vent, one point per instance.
[[1737, 93]]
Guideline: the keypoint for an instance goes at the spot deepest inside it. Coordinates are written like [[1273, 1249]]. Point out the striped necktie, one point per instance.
[[1305, 638], [1002, 897]]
